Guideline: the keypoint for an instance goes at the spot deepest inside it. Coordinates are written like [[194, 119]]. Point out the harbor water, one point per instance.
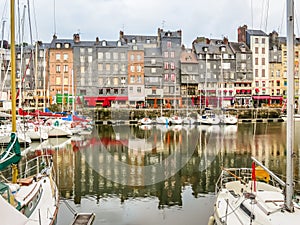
[[140, 175]]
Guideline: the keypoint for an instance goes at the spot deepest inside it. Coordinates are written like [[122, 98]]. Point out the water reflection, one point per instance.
[[185, 160]]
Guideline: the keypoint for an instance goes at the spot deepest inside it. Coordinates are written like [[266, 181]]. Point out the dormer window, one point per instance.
[[119, 44], [223, 48], [205, 49], [67, 45], [148, 41], [133, 41], [104, 43], [58, 45]]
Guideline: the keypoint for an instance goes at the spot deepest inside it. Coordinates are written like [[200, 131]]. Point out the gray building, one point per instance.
[[101, 72]]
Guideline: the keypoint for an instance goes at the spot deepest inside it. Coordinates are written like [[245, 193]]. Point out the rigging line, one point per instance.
[[35, 21], [54, 17], [296, 20], [251, 14], [267, 14], [29, 20], [282, 18], [4, 12], [262, 14]]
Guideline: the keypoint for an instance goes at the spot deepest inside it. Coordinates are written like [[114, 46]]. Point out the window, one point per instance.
[[82, 51], [256, 61], [122, 54], [256, 84], [256, 40], [107, 55], [131, 79], [57, 56], [100, 55], [66, 56], [90, 50], [153, 61], [116, 67], [116, 81], [172, 66], [243, 57], [139, 89], [132, 57], [166, 65], [82, 59], [256, 50], [107, 67], [263, 51], [166, 77], [115, 55], [263, 73], [139, 79], [132, 69], [153, 70], [166, 54], [67, 45], [58, 80], [82, 69], [57, 68], [263, 83], [263, 40], [90, 58], [58, 45], [66, 68], [138, 56], [100, 67], [169, 44], [123, 67], [256, 72], [139, 68], [123, 80], [173, 77], [100, 80], [263, 61], [172, 54]]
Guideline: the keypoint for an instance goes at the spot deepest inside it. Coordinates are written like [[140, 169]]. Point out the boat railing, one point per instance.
[[244, 175], [36, 165]]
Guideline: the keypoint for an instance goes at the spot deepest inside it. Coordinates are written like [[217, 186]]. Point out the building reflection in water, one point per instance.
[[87, 166]]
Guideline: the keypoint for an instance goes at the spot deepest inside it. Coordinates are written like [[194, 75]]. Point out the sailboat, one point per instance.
[[32, 197], [256, 195]]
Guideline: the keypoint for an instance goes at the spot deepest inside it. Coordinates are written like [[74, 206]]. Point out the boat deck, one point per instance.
[[83, 219]]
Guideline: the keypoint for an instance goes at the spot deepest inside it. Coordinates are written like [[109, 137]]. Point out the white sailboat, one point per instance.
[[256, 195], [32, 198]]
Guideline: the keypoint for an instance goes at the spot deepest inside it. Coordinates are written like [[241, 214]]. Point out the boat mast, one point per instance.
[[290, 105], [13, 65]]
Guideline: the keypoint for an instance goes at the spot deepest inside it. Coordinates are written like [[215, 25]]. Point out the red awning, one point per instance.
[[276, 97], [260, 97]]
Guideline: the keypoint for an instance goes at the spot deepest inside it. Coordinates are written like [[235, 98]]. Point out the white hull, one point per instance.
[[177, 120], [162, 120], [38, 199], [238, 202]]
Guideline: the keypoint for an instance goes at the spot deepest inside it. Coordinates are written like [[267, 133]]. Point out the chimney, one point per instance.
[[76, 38], [97, 40], [121, 34], [179, 32], [242, 33], [54, 37], [225, 41]]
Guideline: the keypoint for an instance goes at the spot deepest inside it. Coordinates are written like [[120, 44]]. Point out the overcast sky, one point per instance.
[[105, 18]]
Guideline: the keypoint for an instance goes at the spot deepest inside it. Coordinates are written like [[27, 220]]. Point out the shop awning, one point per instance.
[[260, 97]]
